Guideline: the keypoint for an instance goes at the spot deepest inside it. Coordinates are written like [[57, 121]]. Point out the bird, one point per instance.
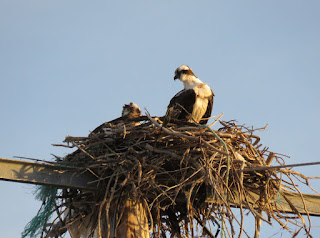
[[193, 103], [129, 118], [129, 111]]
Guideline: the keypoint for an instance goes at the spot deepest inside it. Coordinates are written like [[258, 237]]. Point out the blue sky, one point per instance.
[[67, 66]]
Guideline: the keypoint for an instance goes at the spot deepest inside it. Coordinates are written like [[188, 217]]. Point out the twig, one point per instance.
[[192, 138], [260, 168], [216, 120]]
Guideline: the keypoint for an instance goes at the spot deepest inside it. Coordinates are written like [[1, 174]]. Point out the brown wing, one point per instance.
[[180, 106]]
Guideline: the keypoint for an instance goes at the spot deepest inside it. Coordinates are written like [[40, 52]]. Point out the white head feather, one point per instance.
[[184, 67], [184, 74]]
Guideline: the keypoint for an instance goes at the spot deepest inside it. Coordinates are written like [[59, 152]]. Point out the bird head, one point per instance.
[[131, 110], [182, 73]]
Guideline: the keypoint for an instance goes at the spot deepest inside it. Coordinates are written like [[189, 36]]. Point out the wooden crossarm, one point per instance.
[[312, 202], [45, 174], [62, 176]]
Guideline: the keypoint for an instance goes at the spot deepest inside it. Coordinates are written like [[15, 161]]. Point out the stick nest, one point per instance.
[[188, 175]]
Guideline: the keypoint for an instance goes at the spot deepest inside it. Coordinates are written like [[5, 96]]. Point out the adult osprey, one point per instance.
[[194, 102]]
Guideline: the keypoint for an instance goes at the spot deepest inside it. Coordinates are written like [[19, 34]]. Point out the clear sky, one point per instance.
[[68, 66]]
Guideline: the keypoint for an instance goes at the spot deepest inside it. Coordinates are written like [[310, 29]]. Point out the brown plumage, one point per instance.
[[193, 103], [130, 110]]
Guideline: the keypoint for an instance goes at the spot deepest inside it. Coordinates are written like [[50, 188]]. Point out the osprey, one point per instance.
[[130, 110], [194, 102]]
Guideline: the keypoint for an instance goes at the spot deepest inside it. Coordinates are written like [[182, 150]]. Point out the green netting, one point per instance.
[[47, 194]]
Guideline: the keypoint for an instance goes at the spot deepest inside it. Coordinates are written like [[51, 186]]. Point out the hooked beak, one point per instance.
[[175, 77]]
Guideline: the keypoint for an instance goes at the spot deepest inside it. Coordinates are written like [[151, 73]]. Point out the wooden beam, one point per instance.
[[45, 174], [312, 202], [62, 176]]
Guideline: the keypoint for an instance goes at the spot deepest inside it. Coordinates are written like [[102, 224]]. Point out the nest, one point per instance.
[[187, 176]]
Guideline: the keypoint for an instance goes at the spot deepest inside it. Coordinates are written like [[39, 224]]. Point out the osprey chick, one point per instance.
[[194, 102], [130, 110]]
